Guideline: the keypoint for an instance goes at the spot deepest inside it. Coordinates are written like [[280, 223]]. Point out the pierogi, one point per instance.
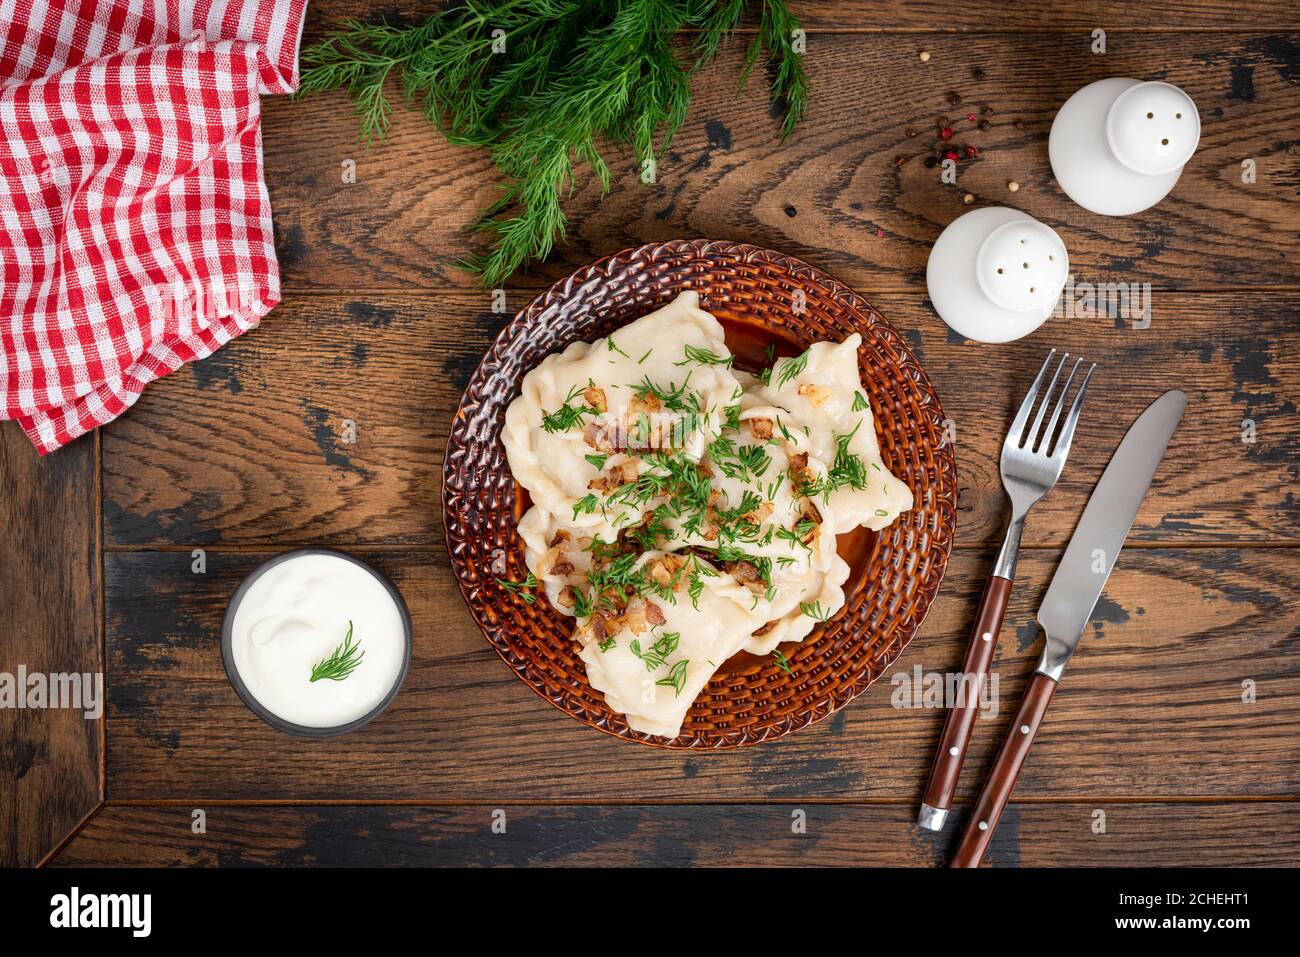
[[683, 510]]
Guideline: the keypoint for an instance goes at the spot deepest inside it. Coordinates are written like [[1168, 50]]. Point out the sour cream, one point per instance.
[[293, 614]]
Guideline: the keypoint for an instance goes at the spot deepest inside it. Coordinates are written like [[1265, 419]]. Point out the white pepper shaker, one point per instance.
[[1118, 145], [996, 274]]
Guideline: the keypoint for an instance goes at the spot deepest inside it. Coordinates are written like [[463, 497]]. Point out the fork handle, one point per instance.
[[988, 809], [951, 752]]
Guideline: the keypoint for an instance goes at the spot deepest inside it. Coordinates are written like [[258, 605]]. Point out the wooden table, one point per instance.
[[1175, 737]]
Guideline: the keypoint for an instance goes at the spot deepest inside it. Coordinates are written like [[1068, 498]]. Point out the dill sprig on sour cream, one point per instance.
[[345, 660]]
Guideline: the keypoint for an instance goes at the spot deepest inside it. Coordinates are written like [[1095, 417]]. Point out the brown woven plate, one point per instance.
[[760, 296]]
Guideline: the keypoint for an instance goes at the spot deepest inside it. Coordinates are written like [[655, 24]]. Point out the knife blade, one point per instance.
[[1107, 518]]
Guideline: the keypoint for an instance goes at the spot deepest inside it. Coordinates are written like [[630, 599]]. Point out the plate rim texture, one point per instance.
[[885, 606]]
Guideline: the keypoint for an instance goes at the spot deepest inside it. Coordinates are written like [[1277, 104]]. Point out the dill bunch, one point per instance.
[[543, 85]]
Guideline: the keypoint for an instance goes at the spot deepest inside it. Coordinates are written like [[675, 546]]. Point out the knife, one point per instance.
[[1070, 599]]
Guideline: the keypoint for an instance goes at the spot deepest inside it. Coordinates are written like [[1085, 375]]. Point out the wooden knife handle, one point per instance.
[[1002, 778], [951, 751]]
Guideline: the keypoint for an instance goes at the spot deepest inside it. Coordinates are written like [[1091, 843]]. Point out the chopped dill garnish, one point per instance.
[[847, 470], [705, 357], [792, 368], [519, 588], [567, 415], [673, 397], [744, 462], [814, 610], [656, 656], [676, 678]]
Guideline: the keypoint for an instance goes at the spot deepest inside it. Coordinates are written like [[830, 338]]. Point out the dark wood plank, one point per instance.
[[49, 564], [824, 194], [981, 16], [835, 835], [1152, 706], [248, 448], [251, 444]]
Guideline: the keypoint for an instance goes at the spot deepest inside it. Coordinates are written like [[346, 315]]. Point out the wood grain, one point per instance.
[[248, 447], [248, 453], [1151, 707], [49, 565], [836, 835], [824, 195], [982, 16]]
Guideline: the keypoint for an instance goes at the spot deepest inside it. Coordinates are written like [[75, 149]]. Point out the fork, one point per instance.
[[1031, 464]]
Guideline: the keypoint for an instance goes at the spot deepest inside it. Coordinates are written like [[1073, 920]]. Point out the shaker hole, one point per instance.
[[1026, 265], [1164, 142], [1150, 116]]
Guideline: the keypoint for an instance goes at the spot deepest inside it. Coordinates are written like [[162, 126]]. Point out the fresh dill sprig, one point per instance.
[[345, 660], [705, 357], [792, 368], [543, 85], [814, 610], [656, 656]]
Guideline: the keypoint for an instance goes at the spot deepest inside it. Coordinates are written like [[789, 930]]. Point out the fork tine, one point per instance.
[[1067, 431], [1032, 440], [1056, 409], [1018, 426]]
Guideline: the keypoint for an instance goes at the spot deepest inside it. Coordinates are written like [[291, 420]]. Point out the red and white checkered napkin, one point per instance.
[[136, 230]]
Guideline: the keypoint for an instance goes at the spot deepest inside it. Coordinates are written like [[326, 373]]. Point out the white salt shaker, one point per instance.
[[995, 274], [1118, 145]]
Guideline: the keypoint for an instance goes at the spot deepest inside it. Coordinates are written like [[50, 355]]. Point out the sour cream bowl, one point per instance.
[[316, 642]]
